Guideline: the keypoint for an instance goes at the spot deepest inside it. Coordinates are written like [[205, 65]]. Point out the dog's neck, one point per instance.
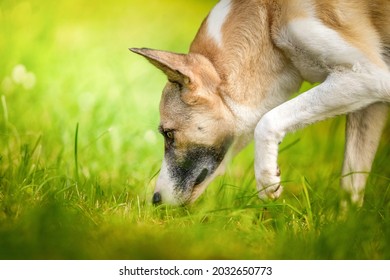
[[256, 76]]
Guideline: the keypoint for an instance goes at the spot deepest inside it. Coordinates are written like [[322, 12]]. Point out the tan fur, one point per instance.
[[357, 23], [238, 62], [195, 109]]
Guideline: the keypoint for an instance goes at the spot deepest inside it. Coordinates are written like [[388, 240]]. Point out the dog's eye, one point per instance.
[[169, 135]]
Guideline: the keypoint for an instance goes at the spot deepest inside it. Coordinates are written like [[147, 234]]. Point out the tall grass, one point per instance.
[[79, 152]]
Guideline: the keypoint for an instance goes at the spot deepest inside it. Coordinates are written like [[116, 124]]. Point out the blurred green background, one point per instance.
[[79, 151], [68, 62]]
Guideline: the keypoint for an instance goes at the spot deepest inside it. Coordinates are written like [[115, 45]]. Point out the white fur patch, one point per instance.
[[216, 19], [316, 49], [165, 186]]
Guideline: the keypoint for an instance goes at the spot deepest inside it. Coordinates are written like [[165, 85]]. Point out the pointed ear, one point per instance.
[[174, 65]]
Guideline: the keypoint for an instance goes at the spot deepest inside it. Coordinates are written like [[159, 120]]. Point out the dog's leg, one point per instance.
[[344, 91], [363, 131]]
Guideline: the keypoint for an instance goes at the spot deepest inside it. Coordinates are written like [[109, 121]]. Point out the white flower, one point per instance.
[[29, 80], [18, 73], [150, 137], [7, 85], [21, 76]]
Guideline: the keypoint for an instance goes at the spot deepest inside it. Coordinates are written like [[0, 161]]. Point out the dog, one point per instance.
[[236, 82]]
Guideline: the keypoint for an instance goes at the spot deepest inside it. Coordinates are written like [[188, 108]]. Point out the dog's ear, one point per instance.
[[172, 64], [185, 70]]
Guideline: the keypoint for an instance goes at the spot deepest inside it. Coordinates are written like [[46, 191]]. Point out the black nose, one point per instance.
[[156, 198]]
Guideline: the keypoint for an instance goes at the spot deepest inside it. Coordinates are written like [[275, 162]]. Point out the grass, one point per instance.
[[79, 152]]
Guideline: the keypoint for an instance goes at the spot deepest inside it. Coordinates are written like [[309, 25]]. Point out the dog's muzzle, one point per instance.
[[184, 175]]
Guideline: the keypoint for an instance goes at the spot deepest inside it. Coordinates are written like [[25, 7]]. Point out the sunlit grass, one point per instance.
[[79, 152]]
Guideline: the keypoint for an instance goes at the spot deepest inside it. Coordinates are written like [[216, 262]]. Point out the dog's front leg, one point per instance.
[[363, 131], [342, 92], [267, 139]]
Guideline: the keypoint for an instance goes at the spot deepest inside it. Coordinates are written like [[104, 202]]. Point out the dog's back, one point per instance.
[[380, 15], [357, 19]]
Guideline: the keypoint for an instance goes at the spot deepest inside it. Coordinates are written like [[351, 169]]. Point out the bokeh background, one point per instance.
[[68, 62], [79, 151]]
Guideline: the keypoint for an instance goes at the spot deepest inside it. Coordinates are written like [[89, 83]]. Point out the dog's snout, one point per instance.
[[156, 198]]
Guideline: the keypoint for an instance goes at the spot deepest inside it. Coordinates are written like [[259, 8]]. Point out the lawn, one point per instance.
[[79, 151]]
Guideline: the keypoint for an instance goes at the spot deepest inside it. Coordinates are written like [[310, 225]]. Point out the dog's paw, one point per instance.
[[269, 186], [271, 193]]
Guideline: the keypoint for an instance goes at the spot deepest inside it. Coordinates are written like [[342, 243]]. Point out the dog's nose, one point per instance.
[[156, 198]]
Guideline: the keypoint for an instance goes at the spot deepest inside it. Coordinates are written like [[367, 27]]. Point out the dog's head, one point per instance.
[[196, 125]]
